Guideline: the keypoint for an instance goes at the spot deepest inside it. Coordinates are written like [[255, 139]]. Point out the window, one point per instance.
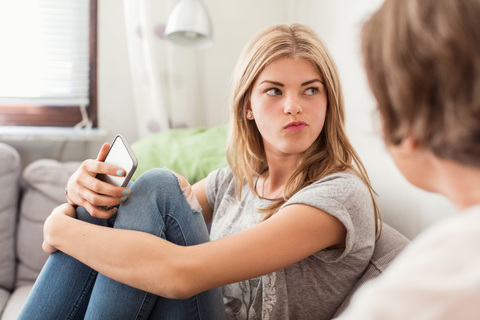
[[48, 62]]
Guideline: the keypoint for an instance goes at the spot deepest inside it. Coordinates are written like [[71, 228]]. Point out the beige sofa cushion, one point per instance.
[[43, 189]]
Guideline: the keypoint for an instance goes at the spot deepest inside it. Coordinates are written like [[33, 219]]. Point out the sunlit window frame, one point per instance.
[[59, 116]]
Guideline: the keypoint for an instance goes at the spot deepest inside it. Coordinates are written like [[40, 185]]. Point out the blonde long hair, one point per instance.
[[331, 152]]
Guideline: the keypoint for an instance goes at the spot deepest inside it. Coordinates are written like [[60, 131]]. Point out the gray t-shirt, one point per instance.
[[314, 287]]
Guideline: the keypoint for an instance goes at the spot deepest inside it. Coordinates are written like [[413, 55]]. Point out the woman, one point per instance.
[[422, 59], [293, 217]]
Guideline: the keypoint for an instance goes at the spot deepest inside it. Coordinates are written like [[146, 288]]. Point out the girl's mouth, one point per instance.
[[295, 126]]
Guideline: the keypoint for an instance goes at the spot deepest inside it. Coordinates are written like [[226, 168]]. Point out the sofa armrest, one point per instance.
[[15, 302], [9, 182]]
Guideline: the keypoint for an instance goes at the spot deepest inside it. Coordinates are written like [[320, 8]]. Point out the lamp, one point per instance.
[[189, 24]]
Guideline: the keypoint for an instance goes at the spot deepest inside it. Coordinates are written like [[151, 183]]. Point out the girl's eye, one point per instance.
[[311, 91], [273, 92]]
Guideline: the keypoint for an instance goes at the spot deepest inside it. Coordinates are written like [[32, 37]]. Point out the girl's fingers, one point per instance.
[[103, 152], [101, 213], [91, 193], [101, 167], [87, 177], [102, 200], [86, 190], [95, 167]]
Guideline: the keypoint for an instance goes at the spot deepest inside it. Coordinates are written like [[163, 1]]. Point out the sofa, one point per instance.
[[29, 195]]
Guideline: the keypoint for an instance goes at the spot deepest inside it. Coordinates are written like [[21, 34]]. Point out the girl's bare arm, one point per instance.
[[152, 264]]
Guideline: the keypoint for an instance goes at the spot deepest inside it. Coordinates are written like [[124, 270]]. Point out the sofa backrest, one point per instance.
[[387, 248], [10, 167]]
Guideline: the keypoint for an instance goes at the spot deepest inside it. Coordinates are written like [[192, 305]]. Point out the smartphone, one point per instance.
[[121, 155]]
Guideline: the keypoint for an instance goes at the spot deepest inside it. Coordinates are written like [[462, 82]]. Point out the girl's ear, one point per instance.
[[249, 114]]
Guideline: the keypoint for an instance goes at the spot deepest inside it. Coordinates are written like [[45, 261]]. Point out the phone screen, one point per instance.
[[121, 155]]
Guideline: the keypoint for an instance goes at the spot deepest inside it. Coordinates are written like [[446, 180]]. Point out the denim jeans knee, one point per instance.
[[159, 205], [166, 180]]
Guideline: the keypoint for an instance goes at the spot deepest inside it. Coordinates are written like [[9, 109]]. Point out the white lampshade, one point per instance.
[[189, 24]]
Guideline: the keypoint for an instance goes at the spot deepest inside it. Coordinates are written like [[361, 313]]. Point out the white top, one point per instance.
[[436, 277]]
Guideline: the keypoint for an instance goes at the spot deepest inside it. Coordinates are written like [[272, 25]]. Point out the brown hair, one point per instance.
[[422, 59], [331, 152]]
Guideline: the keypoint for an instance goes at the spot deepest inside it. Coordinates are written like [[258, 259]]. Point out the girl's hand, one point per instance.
[[84, 189], [48, 227]]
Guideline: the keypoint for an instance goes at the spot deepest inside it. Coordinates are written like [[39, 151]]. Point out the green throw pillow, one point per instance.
[[190, 152]]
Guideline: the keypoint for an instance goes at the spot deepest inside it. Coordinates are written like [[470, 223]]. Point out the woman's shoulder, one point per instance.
[[343, 176], [219, 182], [220, 175], [340, 194], [339, 184]]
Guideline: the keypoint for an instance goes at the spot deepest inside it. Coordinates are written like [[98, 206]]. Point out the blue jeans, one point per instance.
[[68, 289]]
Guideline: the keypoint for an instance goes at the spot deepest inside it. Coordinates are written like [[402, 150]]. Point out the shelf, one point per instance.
[[20, 133]]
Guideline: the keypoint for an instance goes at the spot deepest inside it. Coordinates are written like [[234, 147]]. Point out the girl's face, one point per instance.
[[288, 103]]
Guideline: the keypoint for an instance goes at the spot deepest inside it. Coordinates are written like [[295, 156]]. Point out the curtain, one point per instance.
[[148, 63], [165, 77]]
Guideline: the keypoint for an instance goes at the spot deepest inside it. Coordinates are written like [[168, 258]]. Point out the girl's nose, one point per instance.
[[292, 107]]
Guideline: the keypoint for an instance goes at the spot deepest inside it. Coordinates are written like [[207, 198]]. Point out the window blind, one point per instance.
[[44, 55]]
